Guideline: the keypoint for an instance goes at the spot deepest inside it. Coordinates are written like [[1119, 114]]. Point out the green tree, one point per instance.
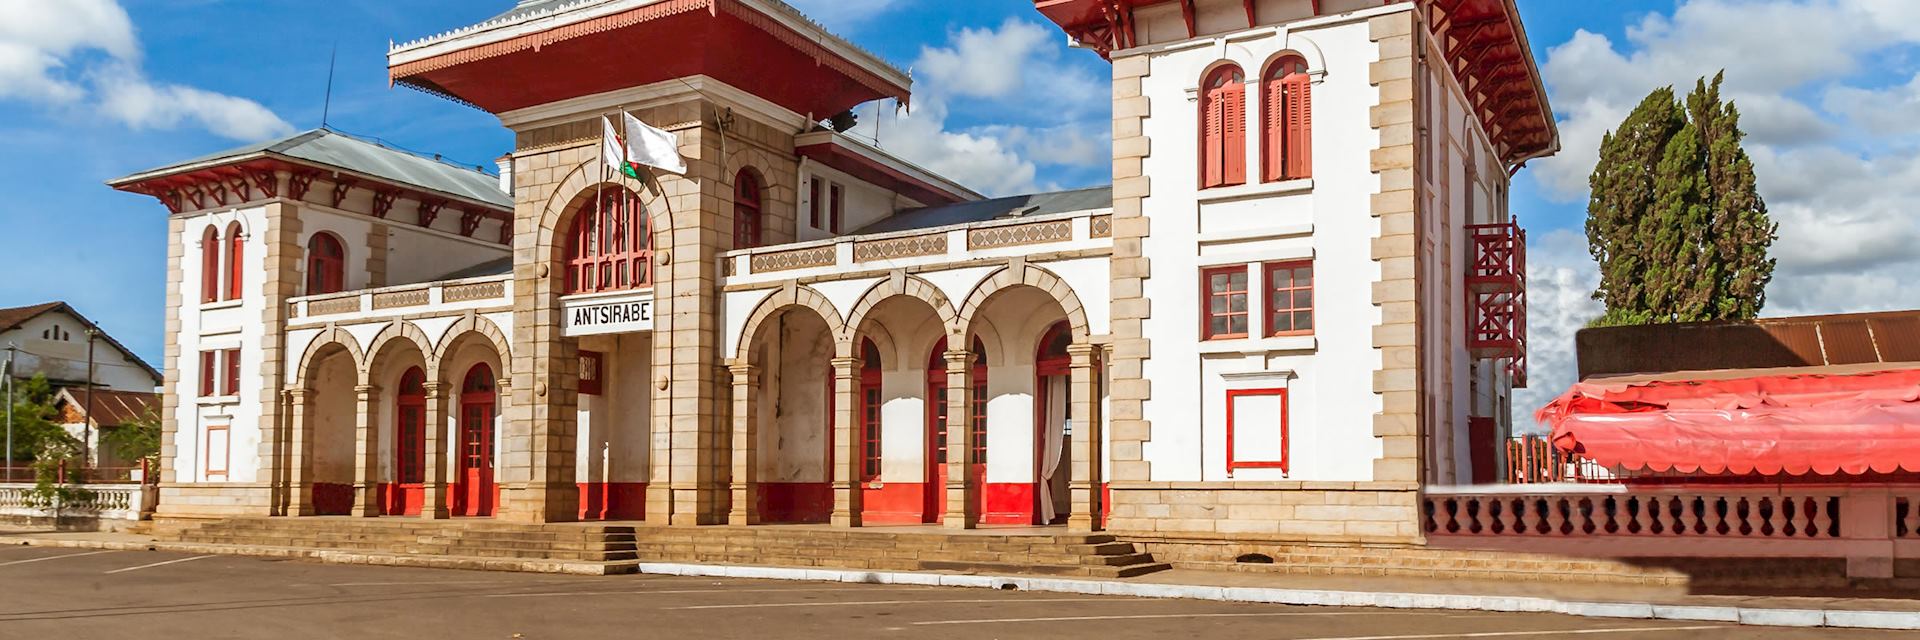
[[138, 439], [36, 423], [1675, 220]]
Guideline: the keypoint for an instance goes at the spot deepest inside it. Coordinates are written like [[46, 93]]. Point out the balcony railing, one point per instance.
[[1497, 296], [410, 299], [952, 243]]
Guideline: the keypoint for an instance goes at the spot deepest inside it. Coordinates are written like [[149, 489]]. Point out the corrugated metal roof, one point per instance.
[[111, 408], [496, 267], [329, 148], [1038, 204]]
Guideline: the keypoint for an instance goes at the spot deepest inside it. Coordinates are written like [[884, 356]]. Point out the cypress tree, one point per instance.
[[1675, 220]]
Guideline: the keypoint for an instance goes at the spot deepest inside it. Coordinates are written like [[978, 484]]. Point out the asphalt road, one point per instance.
[[77, 594]]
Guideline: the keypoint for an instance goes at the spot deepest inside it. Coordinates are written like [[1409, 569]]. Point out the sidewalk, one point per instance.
[[1591, 600]]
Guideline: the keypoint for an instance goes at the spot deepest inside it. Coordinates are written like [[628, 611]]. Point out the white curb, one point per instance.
[[1511, 604]]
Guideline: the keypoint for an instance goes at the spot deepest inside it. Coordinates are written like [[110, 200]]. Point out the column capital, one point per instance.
[[434, 389], [1082, 350], [846, 364], [959, 357], [366, 390], [297, 394]]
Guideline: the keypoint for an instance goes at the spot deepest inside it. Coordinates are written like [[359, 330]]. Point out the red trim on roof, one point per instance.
[[1791, 424], [180, 189]]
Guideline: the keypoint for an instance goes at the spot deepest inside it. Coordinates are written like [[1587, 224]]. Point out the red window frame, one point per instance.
[[610, 245], [210, 265], [226, 451], [236, 245], [410, 438], [978, 439], [1277, 274], [1207, 307], [814, 203], [230, 381], [1287, 149], [208, 372], [1223, 128], [590, 373], [326, 265], [747, 225], [1283, 464], [837, 200], [871, 457]]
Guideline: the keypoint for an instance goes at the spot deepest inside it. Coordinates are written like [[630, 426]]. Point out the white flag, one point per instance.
[[653, 147], [611, 152]]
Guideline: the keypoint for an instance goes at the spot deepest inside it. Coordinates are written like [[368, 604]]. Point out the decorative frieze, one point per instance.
[[1100, 227], [474, 291], [330, 306], [1019, 235], [931, 244], [391, 299], [795, 259]]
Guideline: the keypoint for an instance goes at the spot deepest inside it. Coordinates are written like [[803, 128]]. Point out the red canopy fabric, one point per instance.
[[1793, 424]]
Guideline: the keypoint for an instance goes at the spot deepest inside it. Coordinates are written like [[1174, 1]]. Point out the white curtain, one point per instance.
[[1056, 412]]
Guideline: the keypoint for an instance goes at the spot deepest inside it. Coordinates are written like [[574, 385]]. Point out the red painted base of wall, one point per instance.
[[332, 499], [794, 502], [402, 499], [1007, 503], [1106, 503], [893, 503], [613, 501]]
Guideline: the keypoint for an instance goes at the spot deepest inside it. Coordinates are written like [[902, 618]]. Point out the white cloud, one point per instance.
[[84, 52], [1039, 110], [1836, 162]]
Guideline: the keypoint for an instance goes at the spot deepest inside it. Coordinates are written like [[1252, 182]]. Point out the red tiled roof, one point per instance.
[[13, 317]]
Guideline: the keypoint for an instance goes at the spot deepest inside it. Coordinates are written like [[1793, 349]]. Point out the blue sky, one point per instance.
[[94, 89]]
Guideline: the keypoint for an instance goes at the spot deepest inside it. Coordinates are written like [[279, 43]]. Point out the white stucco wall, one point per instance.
[[54, 344], [215, 326], [1325, 219]]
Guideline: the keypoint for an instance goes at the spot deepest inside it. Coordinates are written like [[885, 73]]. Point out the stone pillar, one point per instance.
[[1084, 486], [846, 442], [1398, 424], [961, 511], [746, 457], [299, 453], [1130, 268], [437, 441], [503, 404], [279, 279], [366, 451]]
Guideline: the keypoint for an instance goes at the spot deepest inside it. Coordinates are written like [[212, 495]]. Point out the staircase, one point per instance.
[[1068, 555], [398, 536]]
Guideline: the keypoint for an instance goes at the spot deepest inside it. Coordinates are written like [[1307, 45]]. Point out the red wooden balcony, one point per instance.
[[1497, 296]]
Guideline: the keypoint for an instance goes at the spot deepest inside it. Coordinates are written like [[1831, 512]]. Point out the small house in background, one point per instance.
[[111, 410], [50, 339]]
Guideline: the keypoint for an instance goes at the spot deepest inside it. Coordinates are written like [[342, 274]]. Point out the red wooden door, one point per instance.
[[475, 493], [936, 489], [409, 445]]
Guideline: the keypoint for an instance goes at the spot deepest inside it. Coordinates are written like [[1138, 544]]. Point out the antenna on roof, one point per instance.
[[326, 106]]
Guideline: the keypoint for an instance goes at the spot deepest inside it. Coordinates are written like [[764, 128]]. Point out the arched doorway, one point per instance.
[[474, 491], [1053, 422], [936, 495], [408, 491]]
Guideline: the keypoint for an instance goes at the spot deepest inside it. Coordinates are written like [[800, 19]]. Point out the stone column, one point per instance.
[[961, 513], [436, 450], [502, 405], [366, 451], [746, 457], [846, 444], [299, 453], [1084, 486]]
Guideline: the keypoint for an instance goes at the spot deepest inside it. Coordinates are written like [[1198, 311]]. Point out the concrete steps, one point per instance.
[[394, 536]]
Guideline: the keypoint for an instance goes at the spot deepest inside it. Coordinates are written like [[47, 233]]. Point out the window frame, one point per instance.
[[1268, 308], [230, 372], [1284, 464], [749, 225], [872, 455], [226, 453], [1286, 150], [209, 372], [592, 372], [814, 204], [326, 273], [1229, 99], [836, 207], [210, 251], [609, 245], [235, 245], [1206, 303]]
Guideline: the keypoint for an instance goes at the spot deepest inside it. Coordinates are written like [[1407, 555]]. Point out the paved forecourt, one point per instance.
[[82, 593]]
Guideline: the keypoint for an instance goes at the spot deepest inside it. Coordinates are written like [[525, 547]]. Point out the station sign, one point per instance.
[[599, 316]]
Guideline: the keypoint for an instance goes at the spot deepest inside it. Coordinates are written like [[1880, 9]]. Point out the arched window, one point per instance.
[[746, 210], [326, 265], [610, 246], [1287, 149], [870, 401], [1223, 128], [235, 245], [210, 265]]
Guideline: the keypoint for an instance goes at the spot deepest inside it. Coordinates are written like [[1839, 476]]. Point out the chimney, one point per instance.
[[506, 173]]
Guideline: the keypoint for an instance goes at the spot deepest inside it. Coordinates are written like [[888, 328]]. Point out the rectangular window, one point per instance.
[[208, 371], [1289, 298], [590, 373], [1224, 310], [814, 203], [230, 381], [979, 434], [1257, 429], [838, 201], [217, 450], [870, 401]]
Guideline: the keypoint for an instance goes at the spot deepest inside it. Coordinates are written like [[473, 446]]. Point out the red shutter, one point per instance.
[[210, 266], [206, 374], [1274, 126], [235, 245], [1299, 90], [232, 385], [1234, 112], [1211, 173]]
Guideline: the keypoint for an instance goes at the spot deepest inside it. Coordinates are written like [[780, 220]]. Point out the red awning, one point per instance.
[[1789, 423]]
